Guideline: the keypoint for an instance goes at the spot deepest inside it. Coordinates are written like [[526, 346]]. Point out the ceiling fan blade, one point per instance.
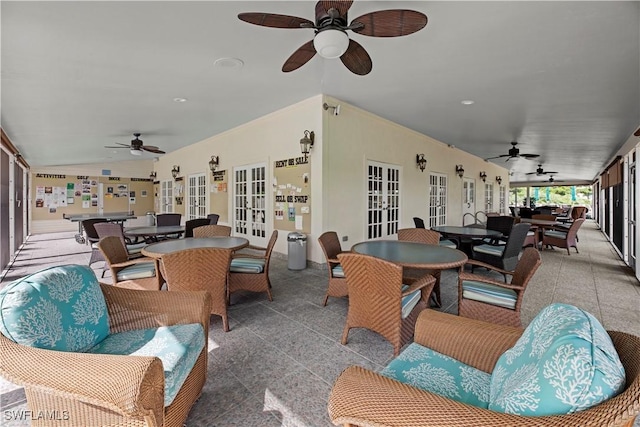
[[274, 20], [340, 6], [498, 157], [637, 133], [152, 149], [300, 57], [120, 145], [390, 23], [356, 59], [529, 156]]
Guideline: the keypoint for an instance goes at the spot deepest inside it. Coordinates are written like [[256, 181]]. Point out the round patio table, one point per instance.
[[470, 232], [156, 250], [413, 254]]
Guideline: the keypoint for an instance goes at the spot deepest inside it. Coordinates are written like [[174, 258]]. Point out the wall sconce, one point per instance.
[[175, 171], [213, 163], [499, 179], [153, 175], [306, 143], [421, 162], [460, 170], [483, 176], [336, 108]]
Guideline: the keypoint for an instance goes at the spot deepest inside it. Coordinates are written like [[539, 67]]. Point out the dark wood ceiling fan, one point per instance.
[[137, 146], [331, 39], [514, 153], [540, 172]]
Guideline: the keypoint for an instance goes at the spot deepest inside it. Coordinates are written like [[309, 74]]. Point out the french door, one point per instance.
[[488, 197], [437, 199], [503, 199], [166, 196], [250, 203], [468, 199], [197, 196], [383, 200]]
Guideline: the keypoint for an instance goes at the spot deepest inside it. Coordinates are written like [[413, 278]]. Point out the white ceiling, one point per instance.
[[561, 78]]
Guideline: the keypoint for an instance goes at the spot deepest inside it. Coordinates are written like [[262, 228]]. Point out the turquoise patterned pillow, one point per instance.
[[60, 308], [564, 362], [429, 370]]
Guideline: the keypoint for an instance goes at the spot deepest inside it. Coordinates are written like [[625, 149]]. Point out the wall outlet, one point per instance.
[[345, 238]]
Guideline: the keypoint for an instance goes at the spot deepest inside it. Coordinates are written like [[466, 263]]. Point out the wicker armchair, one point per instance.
[[125, 272], [212, 231], [200, 269], [249, 270], [376, 298], [563, 238], [99, 389], [361, 397], [331, 247], [482, 298], [428, 237]]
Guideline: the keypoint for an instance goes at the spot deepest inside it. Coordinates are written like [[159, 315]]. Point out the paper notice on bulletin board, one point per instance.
[[292, 195]]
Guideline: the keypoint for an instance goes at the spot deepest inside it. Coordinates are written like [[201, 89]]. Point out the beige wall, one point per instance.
[[357, 136], [273, 137]]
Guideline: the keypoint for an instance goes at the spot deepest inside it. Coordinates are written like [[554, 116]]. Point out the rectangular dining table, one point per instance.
[[151, 233]]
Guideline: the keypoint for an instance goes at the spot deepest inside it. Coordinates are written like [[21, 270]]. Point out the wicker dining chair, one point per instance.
[[362, 397], [166, 219], [213, 218], [418, 222], [112, 229], [249, 269], [428, 237], [483, 298], [379, 302], [331, 247], [503, 256], [200, 269], [88, 225], [212, 231], [138, 273], [194, 223]]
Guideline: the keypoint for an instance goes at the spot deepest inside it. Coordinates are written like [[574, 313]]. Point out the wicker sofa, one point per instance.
[[98, 385], [361, 397]]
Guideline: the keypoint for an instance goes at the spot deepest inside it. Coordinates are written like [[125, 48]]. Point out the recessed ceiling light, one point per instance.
[[179, 99], [467, 102], [228, 63]]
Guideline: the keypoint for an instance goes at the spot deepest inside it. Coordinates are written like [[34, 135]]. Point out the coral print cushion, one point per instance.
[[438, 373], [60, 308], [563, 363]]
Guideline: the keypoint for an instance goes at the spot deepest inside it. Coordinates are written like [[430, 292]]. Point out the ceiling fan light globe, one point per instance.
[[135, 152], [331, 43]]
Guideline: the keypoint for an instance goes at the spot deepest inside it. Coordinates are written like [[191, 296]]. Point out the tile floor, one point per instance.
[[277, 364]]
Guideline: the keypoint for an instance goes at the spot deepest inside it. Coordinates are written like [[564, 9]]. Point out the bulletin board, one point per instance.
[[219, 195], [292, 195], [55, 195]]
